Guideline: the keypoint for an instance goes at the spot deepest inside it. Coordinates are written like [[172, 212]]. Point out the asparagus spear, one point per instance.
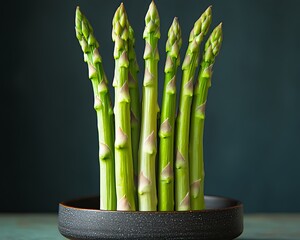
[[148, 140], [102, 105], [201, 26], [135, 107], [211, 50], [123, 150], [166, 133]]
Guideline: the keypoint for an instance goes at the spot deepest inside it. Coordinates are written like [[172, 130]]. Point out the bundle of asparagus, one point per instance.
[[128, 135]]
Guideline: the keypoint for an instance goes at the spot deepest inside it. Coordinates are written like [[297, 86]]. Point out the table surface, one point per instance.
[[44, 226]]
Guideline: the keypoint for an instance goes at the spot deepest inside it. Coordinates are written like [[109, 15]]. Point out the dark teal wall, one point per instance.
[[49, 136]]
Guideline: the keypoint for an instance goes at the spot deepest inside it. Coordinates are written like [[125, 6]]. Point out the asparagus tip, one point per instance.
[[152, 11], [209, 9], [175, 23], [122, 7], [213, 45], [175, 27], [174, 43], [200, 29], [152, 22], [78, 13], [119, 12]]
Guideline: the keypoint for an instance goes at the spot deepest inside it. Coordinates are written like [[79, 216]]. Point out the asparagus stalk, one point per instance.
[[182, 192], [123, 151], [102, 105], [148, 140], [211, 50], [135, 106], [167, 121]]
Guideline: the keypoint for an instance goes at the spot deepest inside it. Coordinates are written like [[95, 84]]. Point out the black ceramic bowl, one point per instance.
[[222, 219]]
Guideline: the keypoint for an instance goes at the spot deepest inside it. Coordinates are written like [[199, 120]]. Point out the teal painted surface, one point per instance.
[[44, 227], [29, 227], [271, 227], [49, 149]]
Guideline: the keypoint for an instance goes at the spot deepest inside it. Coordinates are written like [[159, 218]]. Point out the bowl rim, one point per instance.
[[238, 204]]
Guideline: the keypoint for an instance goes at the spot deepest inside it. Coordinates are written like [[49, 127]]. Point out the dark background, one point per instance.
[[49, 137]]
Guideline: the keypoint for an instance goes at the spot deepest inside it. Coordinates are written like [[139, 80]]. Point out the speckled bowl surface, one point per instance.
[[222, 219]]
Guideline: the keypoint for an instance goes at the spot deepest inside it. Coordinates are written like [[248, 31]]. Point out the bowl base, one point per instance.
[[222, 219]]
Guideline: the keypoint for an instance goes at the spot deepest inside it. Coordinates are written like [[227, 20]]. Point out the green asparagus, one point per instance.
[[102, 105], [182, 192], [211, 50], [123, 150], [135, 106], [148, 140], [167, 121]]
